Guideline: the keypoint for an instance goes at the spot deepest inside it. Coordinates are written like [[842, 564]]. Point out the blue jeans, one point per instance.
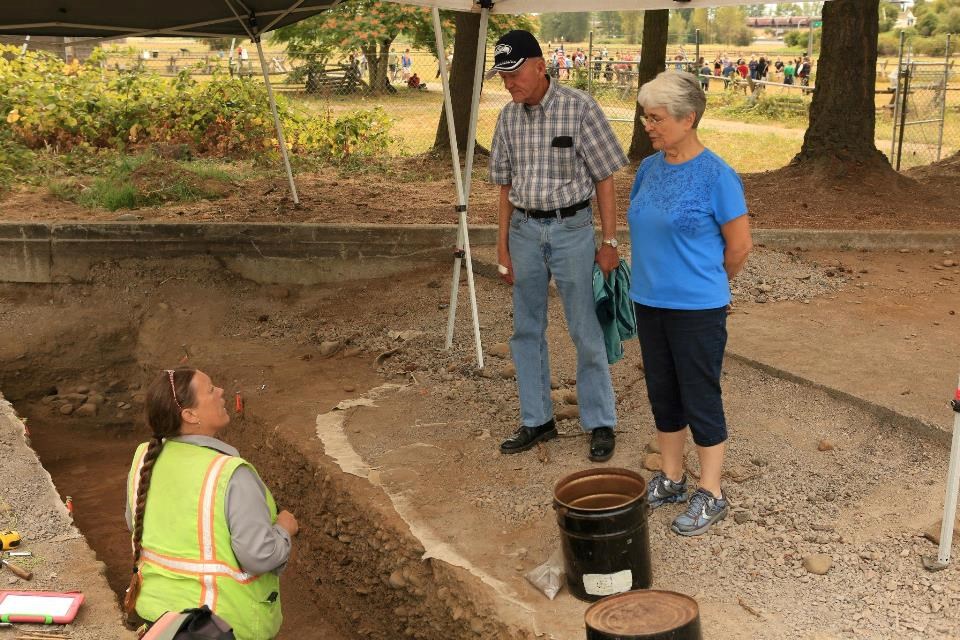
[[564, 248]]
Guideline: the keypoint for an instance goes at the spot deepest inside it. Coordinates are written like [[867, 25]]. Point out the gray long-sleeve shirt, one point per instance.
[[259, 545]]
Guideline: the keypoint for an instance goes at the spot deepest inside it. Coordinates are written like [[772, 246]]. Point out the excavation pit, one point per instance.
[[413, 525]]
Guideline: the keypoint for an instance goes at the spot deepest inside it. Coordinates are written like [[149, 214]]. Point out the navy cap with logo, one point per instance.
[[512, 50]]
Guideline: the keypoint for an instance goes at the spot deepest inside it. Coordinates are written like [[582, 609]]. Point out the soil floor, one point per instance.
[[420, 190], [426, 446]]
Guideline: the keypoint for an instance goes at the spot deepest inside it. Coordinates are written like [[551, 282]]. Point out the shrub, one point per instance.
[[15, 159], [50, 104]]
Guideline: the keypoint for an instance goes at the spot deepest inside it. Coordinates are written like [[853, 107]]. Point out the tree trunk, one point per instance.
[[653, 60], [843, 111], [461, 82], [377, 63]]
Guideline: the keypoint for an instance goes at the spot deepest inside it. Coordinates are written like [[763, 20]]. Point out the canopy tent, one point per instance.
[[123, 18]]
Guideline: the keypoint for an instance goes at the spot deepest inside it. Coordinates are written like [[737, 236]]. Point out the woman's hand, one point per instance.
[[288, 523]]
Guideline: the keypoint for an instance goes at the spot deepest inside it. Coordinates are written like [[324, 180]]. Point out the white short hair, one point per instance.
[[678, 92]]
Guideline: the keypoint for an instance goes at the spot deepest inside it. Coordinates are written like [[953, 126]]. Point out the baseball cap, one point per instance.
[[512, 50]]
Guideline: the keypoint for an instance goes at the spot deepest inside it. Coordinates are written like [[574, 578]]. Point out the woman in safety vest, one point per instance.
[[206, 530]]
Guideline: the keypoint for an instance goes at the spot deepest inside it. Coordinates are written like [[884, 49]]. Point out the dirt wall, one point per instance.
[[360, 554]]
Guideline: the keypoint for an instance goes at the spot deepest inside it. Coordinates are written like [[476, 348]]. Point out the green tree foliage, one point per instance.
[[368, 25], [702, 20], [800, 37], [679, 28], [789, 9], [952, 22], [938, 17], [888, 15], [609, 23], [756, 10], [731, 27], [422, 36], [927, 23], [571, 27], [632, 23]]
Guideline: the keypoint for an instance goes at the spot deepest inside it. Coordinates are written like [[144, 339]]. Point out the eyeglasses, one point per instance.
[[651, 121]]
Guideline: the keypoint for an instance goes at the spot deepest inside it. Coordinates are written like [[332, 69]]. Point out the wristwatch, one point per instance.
[[612, 242]]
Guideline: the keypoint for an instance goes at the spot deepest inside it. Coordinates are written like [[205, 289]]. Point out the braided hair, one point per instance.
[[167, 396]]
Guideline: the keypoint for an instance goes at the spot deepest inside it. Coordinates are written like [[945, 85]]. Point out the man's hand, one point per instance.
[[607, 258], [503, 258], [286, 521]]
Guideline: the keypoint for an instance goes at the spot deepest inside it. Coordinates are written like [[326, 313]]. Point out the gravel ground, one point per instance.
[[62, 561], [829, 505]]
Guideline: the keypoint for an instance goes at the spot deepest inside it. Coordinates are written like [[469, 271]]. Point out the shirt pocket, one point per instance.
[[563, 161]]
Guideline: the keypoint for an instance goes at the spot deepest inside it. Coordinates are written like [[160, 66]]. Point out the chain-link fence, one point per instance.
[[763, 119], [923, 114]]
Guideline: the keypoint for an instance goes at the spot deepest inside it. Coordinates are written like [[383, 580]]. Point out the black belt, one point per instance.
[[564, 212]]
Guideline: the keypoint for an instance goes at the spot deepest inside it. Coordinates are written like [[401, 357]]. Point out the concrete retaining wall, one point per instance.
[[315, 253], [294, 254]]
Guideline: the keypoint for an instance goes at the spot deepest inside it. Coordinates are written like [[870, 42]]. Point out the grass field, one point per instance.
[[416, 114]]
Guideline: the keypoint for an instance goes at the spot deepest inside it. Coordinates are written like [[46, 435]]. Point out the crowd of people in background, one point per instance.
[[796, 70], [621, 66]]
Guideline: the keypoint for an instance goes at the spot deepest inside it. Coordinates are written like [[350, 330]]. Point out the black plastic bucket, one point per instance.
[[602, 515], [644, 615]]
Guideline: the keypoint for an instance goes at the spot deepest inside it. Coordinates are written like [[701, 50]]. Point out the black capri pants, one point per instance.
[[682, 358]]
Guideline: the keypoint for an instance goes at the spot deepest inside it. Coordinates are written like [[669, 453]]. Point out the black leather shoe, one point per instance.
[[526, 437], [602, 443]]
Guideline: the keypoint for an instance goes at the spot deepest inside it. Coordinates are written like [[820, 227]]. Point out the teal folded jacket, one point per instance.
[[614, 308]]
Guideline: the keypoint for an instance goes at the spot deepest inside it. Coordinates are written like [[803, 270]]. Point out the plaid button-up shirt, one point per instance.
[[553, 153]]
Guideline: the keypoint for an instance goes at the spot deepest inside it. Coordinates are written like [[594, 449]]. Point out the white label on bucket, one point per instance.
[[607, 584]]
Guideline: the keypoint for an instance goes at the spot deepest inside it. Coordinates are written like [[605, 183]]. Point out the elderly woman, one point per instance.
[[690, 236], [206, 530]]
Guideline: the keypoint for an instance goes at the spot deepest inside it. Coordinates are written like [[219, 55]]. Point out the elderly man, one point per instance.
[[552, 150]]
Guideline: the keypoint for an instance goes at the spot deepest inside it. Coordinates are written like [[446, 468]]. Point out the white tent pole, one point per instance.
[[471, 146], [457, 177], [463, 182], [276, 120], [953, 486]]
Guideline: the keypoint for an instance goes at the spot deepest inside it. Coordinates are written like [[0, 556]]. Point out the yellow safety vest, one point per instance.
[[187, 559]]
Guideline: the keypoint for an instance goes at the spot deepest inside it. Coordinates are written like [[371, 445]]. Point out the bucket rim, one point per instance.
[[606, 602], [597, 471]]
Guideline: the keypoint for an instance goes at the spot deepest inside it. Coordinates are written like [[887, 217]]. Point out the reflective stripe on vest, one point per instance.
[[196, 567], [205, 515]]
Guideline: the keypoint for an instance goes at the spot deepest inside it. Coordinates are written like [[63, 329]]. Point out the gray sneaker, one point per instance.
[[703, 512], [662, 490]]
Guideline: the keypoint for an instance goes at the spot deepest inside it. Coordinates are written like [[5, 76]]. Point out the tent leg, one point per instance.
[[457, 177], [276, 121], [462, 184], [953, 487], [454, 288], [471, 146]]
